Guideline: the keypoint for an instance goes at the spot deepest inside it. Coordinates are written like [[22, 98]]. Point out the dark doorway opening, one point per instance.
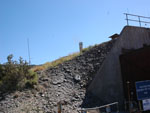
[[135, 66]]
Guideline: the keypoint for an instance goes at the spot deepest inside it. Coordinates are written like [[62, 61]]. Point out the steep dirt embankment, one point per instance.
[[66, 83]]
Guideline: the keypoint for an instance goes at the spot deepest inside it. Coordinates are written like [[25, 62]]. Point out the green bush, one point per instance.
[[16, 75]]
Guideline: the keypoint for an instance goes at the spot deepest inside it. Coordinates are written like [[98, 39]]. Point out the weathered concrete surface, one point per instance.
[[107, 84]]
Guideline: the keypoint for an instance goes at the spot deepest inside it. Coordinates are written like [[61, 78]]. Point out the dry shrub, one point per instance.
[[37, 68]]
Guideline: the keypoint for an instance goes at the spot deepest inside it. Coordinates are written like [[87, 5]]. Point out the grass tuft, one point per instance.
[[60, 60], [55, 63]]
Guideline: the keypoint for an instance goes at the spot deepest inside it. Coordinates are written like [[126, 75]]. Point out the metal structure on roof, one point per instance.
[[137, 18]]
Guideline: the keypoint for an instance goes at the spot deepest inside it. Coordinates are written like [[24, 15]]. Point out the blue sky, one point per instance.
[[55, 27]]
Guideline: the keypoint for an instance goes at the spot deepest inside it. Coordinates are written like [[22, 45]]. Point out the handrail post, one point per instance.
[[139, 21], [127, 19], [117, 108], [128, 86], [108, 109], [59, 107]]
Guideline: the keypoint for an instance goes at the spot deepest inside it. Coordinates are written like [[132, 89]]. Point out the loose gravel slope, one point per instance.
[[66, 83]]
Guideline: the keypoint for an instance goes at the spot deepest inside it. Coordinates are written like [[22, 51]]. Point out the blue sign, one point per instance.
[[143, 90]]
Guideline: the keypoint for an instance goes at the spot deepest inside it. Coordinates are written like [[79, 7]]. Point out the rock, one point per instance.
[[77, 78], [42, 95], [45, 79], [57, 80], [67, 82]]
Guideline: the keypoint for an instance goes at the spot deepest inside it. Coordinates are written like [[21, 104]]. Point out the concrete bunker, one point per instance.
[[110, 82]]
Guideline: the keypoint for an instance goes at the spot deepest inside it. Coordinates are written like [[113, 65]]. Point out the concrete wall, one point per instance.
[[107, 84]]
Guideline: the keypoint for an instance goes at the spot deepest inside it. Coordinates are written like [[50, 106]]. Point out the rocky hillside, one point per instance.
[[67, 83]]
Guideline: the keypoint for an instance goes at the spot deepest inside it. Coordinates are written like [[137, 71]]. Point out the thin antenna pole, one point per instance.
[[29, 51], [127, 10], [127, 16]]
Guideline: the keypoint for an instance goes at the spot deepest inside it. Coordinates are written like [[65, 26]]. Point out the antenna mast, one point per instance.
[[29, 51]]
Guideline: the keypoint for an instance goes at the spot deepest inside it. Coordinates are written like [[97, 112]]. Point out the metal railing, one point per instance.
[[105, 108], [131, 106], [138, 19]]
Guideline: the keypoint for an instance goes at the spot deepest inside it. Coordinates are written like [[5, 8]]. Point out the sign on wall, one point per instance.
[[143, 90], [146, 104]]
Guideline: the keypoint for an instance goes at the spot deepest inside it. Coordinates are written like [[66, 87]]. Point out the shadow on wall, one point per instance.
[[90, 101]]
